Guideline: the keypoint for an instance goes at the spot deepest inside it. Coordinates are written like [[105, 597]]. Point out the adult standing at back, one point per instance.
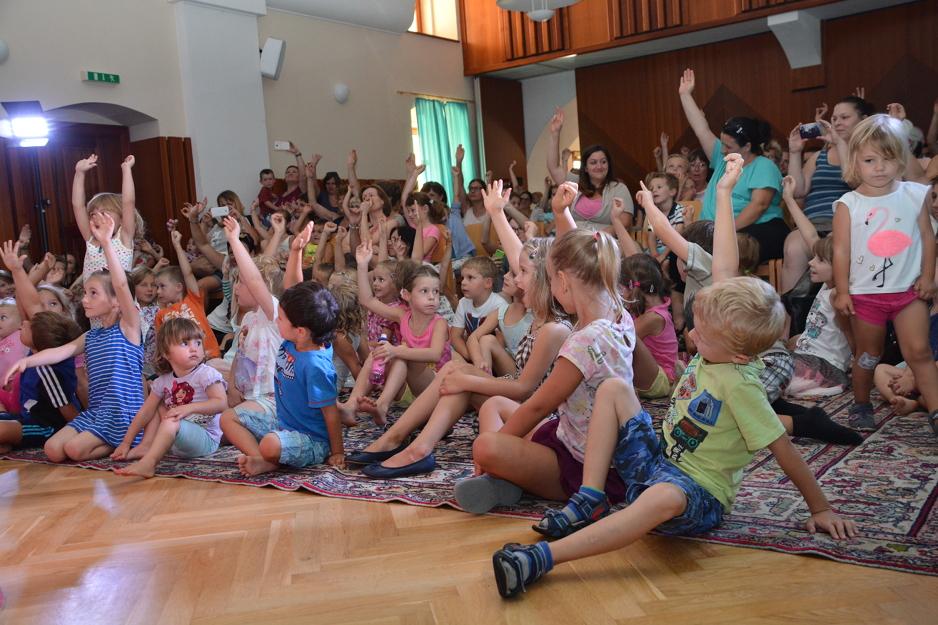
[[598, 186], [757, 194]]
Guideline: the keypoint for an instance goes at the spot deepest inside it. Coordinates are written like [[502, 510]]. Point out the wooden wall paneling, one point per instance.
[[482, 32], [590, 23], [154, 191], [502, 125], [632, 17], [626, 105], [9, 229], [746, 6], [525, 38]]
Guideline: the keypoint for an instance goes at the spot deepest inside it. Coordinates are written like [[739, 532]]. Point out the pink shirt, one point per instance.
[[424, 340], [663, 346], [589, 208], [11, 350]]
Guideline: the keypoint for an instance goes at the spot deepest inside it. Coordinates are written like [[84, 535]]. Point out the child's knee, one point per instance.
[[918, 353], [228, 418], [54, 451], [485, 448], [270, 447], [666, 497]]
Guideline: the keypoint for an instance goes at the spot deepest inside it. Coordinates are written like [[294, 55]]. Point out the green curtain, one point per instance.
[[442, 126]]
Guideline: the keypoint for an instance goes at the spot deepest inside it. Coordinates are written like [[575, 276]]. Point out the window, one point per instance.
[[437, 18], [415, 142]]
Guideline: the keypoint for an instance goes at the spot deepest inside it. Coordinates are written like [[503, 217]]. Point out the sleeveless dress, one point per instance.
[[516, 332], [423, 341], [827, 186], [663, 346], [115, 386]]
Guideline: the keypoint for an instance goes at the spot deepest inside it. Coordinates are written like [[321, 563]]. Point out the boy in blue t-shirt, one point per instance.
[[306, 429]]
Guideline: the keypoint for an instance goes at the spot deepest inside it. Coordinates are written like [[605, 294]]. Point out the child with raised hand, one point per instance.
[[683, 483], [46, 394], [546, 459], [305, 428], [122, 209], [424, 347], [183, 408], [461, 386], [884, 262], [114, 360], [179, 295], [496, 354]]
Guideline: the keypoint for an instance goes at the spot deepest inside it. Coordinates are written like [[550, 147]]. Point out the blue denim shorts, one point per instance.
[[639, 460], [297, 449], [193, 441]]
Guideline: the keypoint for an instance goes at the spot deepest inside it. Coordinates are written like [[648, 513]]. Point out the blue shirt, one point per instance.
[[761, 173], [462, 244], [305, 384], [43, 390]]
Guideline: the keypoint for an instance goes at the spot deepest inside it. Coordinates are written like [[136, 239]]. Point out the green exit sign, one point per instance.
[[112, 79]]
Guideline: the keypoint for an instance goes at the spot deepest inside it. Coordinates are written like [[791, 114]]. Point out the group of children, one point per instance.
[[557, 362]]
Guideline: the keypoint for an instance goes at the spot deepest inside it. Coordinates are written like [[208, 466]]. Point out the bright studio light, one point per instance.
[[31, 131]]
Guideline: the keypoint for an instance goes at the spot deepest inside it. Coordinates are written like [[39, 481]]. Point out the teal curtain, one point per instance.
[[441, 127]]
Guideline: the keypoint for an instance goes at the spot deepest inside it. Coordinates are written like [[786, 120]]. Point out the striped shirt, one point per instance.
[[827, 185]]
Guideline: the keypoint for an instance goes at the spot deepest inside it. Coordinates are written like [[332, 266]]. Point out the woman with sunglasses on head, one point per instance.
[[757, 194]]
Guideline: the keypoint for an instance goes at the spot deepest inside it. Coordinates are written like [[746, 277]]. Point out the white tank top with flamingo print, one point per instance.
[[885, 239]]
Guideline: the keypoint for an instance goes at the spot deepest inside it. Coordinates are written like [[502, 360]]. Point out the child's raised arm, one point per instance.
[[27, 297], [366, 297], [191, 282], [278, 228], [557, 170], [102, 227], [725, 247], [128, 203], [495, 198], [660, 224], [560, 205], [248, 273], [353, 183], [328, 229], [410, 183], [627, 245], [78, 194], [294, 272], [805, 228]]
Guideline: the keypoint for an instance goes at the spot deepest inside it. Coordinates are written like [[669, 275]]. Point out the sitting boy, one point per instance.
[[718, 419], [478, 280]]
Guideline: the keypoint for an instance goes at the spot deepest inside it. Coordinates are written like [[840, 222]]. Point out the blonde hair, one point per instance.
[[543, 304], [351, 318], [112, 204], [270, 271], [885, 135], [593, 257], [746, 312], [749, 251]]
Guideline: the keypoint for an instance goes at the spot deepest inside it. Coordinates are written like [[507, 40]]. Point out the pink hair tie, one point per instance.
[[634, 285]]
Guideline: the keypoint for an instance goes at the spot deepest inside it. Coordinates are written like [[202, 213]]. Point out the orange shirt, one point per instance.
[[191, 307]]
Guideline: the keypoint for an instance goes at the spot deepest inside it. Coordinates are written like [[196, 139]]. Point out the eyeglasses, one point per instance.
[[475, 188]]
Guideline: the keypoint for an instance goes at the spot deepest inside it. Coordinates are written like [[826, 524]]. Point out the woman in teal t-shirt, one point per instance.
[[758, 193]]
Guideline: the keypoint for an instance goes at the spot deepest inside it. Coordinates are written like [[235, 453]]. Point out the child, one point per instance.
[[266, 199], [416, 212], [114, 360], [884, 262], [348, 349], [718, 418], [178, 294], [183, 406], [478, 278], [424, 348], [121, 208], [584, 274], [46, 393], [12, 350], [305, 429], [497, 355], [664, 189], [143, 282], [646, 296], [7, 286]]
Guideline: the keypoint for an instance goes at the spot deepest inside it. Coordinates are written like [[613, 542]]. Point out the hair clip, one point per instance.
[[634, 285], [7, 301], [596, 235]]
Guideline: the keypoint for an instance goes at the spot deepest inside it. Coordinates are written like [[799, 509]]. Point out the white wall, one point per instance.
[[221, 90], [52, 41], [541, 96], [375, 65]]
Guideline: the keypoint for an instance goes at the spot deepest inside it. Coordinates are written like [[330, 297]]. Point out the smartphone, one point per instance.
[[810, 131], [282, 145], [219, 212]]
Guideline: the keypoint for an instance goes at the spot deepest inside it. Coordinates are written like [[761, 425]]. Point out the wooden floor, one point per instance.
[[81, 546]]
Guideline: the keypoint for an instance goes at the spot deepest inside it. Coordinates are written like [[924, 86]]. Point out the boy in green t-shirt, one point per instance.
[[719, 417]]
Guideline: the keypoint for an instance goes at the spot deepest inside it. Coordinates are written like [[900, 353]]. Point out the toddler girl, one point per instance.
[[183, 407], [646, 295]]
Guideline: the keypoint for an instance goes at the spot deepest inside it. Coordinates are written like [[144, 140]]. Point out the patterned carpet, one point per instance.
[[888, 485]]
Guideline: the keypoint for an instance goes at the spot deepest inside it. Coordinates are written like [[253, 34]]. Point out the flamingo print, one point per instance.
[[885, 243]]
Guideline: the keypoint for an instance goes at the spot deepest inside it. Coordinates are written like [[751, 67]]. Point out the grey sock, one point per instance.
[[480, 494]]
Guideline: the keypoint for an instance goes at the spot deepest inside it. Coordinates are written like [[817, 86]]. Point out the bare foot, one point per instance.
[[137, 452], [347, 414], [140, 468], [254, 465], [904, 405], [378, 412]]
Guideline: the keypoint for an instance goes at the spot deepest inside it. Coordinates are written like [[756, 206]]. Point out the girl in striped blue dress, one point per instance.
[[114, 357]]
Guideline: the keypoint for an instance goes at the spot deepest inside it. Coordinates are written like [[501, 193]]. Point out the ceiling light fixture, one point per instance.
[[537, 10]]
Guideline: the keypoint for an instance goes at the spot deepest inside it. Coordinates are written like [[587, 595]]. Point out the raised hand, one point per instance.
[[860, 92], [896, 110], [788, 188], [163, 262], [734, 167], [664, 140], [530, 230], [820, 111], [618, 207], [511, 167], [328, 229], [410, 163], [564, 197], [129, 161], [301, 239], [644, 197], [87, 164], [26, 234], [460, 154], [55, 275], [556, 122], [795, 142], [364, 253], [311, 167], [102, 228], [176, 237], [495, 197], [657, 152], [10, 257], [352, 159], [190, 212], [422, 167], [688, 82], [292, 149], [278, 223], [232, 228]]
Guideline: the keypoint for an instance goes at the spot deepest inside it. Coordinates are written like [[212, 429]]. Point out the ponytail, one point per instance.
[[593, 257]]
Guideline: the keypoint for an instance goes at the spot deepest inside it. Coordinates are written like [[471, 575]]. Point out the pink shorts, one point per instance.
[[878, 308]]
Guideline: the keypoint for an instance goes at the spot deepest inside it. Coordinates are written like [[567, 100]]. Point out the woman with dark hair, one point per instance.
[[757, 195], [819, 180], [598, 186], [699, 172]]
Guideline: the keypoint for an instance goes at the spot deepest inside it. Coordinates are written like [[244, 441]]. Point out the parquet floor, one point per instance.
[[86, 547]]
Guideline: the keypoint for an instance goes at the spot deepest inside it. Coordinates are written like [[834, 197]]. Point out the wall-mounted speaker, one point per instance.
[[272, 57]]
